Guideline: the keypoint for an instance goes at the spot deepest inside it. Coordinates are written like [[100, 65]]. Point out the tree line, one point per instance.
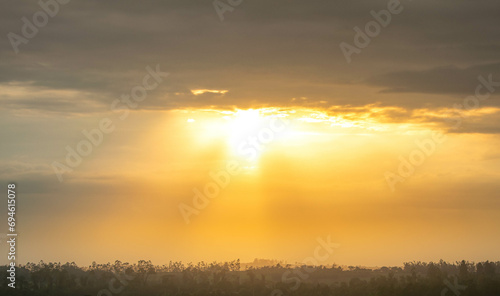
[[228, 278]]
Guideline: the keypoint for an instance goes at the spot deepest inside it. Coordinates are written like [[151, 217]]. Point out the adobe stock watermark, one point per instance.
[[455, 287], [95, 136], [221, 179], [222, 7], [300, 274], [371, 29], [123, 278], [427, 147], [483, 91], [40, 19]]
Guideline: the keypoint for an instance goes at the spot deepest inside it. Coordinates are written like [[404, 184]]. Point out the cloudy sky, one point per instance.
[[393, 151]]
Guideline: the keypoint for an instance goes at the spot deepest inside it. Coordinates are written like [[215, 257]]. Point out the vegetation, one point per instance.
[[176, 278]]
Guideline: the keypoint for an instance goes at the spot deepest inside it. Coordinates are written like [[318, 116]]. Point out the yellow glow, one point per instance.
[[236, 127], [323, 174]]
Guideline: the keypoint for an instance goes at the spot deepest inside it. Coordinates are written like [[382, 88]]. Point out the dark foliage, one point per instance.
[[143, 278]]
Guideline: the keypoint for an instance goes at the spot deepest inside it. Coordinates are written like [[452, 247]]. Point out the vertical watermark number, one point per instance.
[[11, 234]]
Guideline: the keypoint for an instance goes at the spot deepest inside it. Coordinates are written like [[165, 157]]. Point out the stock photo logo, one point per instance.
[[373, 28], [427, 147], [31, 27]]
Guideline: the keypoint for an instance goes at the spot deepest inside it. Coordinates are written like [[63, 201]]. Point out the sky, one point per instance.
[[222, 130]]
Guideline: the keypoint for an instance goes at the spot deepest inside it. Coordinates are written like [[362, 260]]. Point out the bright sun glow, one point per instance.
[[248, 135], [249, 132]]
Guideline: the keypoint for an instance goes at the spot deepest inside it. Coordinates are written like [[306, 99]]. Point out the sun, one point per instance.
[[247, 133], [243, 130], [244, 122]]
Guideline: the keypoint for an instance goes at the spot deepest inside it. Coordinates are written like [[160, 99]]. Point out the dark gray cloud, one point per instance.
[[263, 53], [440, 80]]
